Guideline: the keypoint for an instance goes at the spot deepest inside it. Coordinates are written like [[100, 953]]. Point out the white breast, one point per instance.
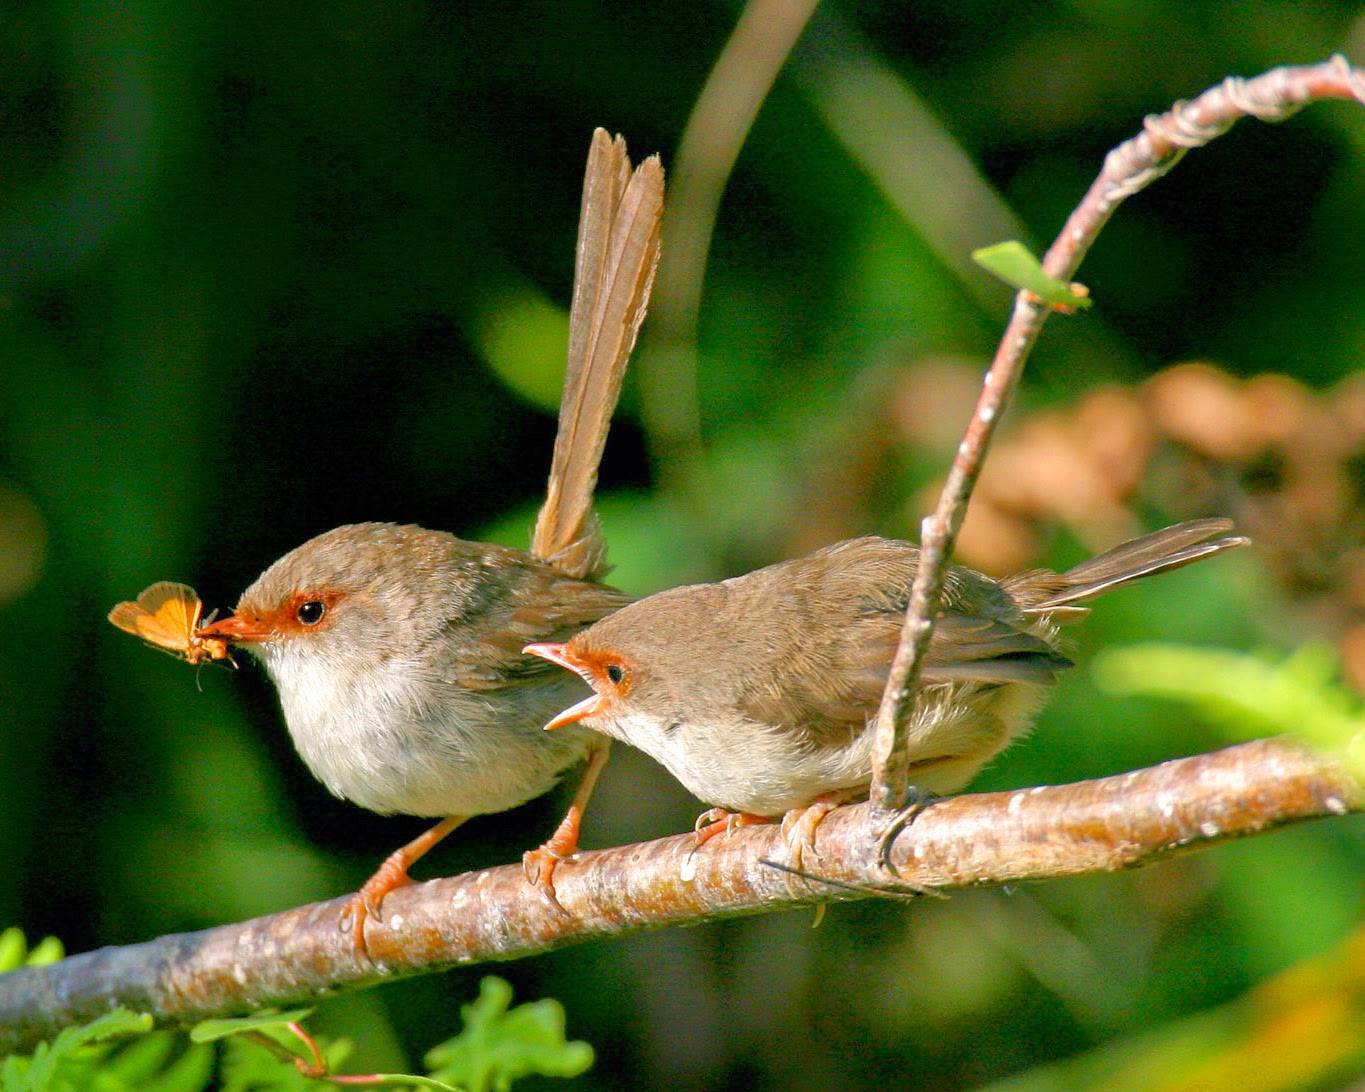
[[403, 742], [756, 769]]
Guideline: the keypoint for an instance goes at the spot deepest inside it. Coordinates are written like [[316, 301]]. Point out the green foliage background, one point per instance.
[[257, 263]]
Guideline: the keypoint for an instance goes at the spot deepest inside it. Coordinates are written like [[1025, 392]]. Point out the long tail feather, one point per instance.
[[1161, 551], [618, 251]]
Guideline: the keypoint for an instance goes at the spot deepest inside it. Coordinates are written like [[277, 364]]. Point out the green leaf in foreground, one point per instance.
[[498, 1046], [249, 1068], [15, 952], [1250, 695], [112, 1025], [1013, 263], [48, 950], [209, 1030], [13, 949], [65, 1062]]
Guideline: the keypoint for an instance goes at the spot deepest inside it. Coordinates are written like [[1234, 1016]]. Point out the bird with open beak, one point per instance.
[[759, 693]]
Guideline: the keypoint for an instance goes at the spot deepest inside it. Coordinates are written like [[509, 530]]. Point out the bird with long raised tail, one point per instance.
[[397, 651]]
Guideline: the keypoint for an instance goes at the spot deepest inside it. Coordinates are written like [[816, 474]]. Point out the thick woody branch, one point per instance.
[[1116, 822], [1127, 170]]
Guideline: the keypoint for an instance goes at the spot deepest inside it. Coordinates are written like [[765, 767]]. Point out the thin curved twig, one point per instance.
[[1127, 169]]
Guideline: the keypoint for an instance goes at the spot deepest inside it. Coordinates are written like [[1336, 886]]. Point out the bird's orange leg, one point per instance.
[[390, 875], [540, 863]]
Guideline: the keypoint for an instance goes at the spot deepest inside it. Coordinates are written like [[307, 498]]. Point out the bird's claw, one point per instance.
[[710, 817], [716, 821], [367, 903], [919, 802], [539, 865]]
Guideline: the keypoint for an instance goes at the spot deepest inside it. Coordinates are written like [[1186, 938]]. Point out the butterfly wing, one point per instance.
[[166, 615]]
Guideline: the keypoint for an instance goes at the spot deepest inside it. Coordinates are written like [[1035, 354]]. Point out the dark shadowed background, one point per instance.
[[265, 269]]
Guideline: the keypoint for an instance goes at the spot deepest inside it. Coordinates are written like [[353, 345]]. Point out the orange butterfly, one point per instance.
[[166, 616]]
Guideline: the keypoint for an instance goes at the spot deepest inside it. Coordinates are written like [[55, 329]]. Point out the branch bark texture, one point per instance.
[[975, 840]]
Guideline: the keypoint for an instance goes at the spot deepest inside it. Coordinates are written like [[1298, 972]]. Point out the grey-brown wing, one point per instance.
[[552, 607], [832, 693]]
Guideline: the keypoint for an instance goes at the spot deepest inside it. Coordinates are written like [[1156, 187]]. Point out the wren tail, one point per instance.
[[618, 251], [1170, 548]]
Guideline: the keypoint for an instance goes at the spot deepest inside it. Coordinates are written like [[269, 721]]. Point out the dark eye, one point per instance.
[[616, 673], [311, 612]]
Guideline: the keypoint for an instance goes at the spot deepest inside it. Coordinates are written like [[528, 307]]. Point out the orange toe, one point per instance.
[[366, 902], [389, 876], [719, 821], [799, 824]]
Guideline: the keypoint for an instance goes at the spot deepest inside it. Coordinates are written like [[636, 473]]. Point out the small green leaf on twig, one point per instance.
[[498, 1046], [210, 1030], [1013, 264]]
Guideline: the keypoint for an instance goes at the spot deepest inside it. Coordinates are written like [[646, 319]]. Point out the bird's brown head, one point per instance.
[[345, 591], [611, 675]]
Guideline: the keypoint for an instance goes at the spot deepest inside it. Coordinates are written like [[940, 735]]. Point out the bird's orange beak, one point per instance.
[[235, 628], [556, 653]]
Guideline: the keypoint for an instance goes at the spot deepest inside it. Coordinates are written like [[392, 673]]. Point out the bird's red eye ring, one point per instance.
[[616, 673], [311, 612]]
